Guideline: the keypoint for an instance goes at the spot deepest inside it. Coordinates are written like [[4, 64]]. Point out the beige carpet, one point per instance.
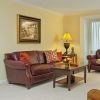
[[45, 91]]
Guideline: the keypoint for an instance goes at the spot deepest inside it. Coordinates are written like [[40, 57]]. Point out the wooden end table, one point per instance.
[[61, 69], [72, 56]]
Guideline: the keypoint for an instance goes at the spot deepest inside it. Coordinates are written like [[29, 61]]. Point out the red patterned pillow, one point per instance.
[[54, 56], [51, 56], [24, 57]]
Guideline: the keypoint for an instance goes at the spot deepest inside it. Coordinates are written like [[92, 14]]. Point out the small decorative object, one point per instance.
[[29, 29], [67, 62], [72, 50], [67, 38]]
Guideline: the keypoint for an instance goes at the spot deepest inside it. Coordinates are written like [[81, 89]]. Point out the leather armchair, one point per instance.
[[94, 61], [93, 94]]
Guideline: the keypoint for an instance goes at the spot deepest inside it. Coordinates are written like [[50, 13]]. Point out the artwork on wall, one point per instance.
[[28, 29]]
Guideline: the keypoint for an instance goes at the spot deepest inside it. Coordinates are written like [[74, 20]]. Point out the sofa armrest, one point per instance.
[[18, 72], [16, 64], [89, 57]]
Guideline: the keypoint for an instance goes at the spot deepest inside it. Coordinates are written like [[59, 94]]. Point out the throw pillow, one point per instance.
[[54, 56], [98, 61], [59, 55], [24, 57]]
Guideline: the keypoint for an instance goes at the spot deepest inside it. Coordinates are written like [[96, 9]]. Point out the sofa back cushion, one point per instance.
[[42, 58], [16, 55], [33, 55], [48, 55], [34, 58], [9, 56]]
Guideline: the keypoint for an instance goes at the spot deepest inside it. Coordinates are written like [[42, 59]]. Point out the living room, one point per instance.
[[53, 26]]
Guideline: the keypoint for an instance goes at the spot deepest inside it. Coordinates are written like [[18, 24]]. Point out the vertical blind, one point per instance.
[[95, 36]]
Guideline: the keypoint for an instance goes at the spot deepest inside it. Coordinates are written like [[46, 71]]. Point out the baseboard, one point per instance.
[[3, 81]]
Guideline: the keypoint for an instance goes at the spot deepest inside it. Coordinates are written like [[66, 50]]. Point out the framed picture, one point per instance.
[[29, 29]]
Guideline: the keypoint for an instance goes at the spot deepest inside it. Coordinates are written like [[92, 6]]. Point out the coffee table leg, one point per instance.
[[66, 81], [54, 78], [85, 74], [69, 80]]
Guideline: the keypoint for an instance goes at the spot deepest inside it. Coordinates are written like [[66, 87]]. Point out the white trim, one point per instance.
[[3, 81]]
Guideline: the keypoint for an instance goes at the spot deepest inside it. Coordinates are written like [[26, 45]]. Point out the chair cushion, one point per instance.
[[95, 62], [41, 69], [98, 61]]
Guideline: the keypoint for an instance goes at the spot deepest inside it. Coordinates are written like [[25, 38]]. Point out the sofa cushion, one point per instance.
[[10, 56], [42, 58], [34, 58], [48, 55], [41, 69], [16, 55]]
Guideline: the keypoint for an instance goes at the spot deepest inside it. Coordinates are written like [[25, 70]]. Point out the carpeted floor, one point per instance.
[[45, 91]]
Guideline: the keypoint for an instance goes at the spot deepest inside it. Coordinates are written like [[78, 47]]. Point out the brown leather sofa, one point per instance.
[[93, 94], [94, 61], [26, 73]]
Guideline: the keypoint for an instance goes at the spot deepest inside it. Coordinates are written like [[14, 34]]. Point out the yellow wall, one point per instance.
[[75, 25], [71, 24], [51, 30]]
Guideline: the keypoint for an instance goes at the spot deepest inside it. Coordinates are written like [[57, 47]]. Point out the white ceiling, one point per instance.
[[65, 6]]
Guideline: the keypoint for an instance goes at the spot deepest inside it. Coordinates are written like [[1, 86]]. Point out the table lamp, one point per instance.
[[67, 39]]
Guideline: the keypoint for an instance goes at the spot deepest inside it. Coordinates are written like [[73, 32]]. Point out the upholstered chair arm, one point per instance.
[[90, 57], [18, 72]]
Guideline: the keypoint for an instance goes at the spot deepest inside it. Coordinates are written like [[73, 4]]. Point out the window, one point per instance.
[[94, 35]]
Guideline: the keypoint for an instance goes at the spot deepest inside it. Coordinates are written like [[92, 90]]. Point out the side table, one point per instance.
[[72, 56]]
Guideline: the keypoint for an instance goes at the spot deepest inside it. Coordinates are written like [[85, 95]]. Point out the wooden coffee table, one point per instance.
[[63, 69]]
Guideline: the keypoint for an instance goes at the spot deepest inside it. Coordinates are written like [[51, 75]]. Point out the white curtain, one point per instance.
[[94, 36]]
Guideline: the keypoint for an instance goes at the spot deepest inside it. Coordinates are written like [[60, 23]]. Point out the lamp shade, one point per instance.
[[67, 37]]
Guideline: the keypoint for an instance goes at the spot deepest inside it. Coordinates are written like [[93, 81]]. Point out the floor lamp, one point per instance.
[[67, 39]]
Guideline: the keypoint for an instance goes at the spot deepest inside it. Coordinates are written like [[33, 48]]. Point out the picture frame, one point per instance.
[[28, 29]]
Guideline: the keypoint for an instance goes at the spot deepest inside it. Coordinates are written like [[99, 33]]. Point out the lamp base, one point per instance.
[[65, 53], [66, 45]]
